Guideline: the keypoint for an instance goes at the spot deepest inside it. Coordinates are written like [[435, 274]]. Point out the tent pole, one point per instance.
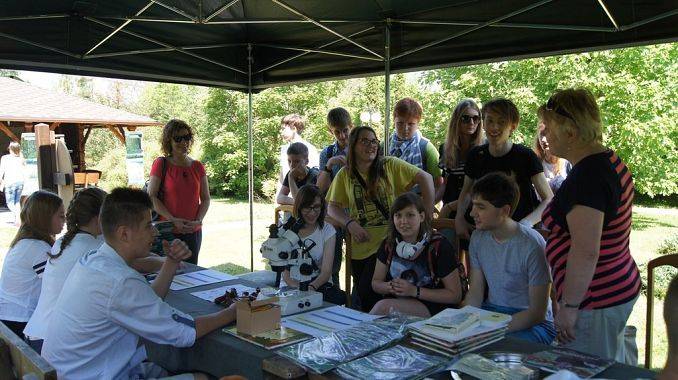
[[250, 154], [387, 84]]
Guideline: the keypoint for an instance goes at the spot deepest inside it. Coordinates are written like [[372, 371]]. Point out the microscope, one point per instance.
[[284, 249]]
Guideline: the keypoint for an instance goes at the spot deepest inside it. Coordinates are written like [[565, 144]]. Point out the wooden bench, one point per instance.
[[17, 359]]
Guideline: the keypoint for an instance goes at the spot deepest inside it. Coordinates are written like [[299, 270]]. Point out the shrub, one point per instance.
[[662, 275]]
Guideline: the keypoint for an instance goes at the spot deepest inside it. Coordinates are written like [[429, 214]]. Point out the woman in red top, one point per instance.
[[178, 186], [595, 278]]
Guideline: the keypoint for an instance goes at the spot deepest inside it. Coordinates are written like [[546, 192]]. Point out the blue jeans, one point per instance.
[[13, 197], [544, 332]]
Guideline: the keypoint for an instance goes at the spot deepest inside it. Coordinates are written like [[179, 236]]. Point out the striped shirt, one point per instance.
[[603, 182]]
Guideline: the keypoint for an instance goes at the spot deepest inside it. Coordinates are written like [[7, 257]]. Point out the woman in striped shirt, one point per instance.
[[595, 278]]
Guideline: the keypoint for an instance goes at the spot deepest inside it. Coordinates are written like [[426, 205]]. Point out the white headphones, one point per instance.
[[408, 250]]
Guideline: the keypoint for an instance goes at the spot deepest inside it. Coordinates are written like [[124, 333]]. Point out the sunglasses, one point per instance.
[[551, 105], [468, 118], [368, 142], [178, 139]]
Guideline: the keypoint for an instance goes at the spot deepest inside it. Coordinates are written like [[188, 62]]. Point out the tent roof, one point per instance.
[[292, 41], [22, 102]]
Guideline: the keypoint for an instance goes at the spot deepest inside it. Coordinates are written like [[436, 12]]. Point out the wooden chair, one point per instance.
[[23, 360], [279, 209], [671, 260]]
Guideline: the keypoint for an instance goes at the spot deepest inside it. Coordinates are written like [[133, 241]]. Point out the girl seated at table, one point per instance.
[[83, 234], [310, 207], [42, 217], [417, 269]]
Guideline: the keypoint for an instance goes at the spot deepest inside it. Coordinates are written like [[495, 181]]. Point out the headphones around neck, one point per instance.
[[407, 250]]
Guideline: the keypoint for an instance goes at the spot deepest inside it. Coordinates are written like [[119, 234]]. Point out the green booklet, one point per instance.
[[271, 339]]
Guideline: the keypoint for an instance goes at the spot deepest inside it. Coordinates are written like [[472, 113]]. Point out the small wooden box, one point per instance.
[[255, 317]]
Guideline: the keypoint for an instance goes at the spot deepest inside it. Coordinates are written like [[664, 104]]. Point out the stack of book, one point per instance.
[[455, 332]]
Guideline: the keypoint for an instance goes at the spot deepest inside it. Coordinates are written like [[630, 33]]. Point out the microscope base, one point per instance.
[[297, 301]]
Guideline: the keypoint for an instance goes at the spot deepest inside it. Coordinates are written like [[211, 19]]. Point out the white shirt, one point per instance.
[[103, 309], [54, 277], [11, 169], [21, 278], [319, 236], [313, 157]]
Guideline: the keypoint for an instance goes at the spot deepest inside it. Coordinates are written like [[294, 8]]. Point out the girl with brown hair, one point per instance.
[[42, 217], [83, 234]]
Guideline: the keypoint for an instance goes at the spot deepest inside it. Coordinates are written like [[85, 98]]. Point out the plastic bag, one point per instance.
[[395, 363]]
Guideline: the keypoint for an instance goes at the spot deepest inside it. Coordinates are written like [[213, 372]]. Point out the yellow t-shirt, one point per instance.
[[348, 193]]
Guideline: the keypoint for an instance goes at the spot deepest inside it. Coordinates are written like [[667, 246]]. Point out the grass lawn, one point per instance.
[[226, 247]]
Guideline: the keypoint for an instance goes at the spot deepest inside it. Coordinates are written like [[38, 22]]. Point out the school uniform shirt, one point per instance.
[[520, 163], [349, 194], [104, 308], [21, 279], [180, 188], [54, 277]]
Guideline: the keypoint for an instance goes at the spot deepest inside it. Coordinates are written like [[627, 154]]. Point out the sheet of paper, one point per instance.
[[211, 294], [199, 278], [325, 321]]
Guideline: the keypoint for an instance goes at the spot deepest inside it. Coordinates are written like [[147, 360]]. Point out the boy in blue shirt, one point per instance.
[[509, 259]]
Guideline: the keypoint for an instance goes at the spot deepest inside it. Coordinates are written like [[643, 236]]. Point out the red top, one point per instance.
[[603, 182], [181, 187]]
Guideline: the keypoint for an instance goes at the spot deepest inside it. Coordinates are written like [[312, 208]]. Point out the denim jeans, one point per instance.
[[13, 197]]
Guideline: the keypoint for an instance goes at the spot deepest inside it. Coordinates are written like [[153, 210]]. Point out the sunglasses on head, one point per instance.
[[551, 105], [178, 139], [468, 118]]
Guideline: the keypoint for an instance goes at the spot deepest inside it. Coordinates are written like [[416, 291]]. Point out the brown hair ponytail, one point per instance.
[[85, 205]]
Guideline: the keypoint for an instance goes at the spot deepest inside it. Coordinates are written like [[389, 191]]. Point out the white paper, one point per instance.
[[199, 278], [321, 322], [211, 294]]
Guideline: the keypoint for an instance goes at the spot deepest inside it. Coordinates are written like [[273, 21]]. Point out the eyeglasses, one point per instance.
[[551, 105], [178, 139], [310, 209], [468, 118], [370, 142]]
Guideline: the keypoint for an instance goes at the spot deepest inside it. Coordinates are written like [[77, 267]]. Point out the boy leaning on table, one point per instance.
[[106, 306]]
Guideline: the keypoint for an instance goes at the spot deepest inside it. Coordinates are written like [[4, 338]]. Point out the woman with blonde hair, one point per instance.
[[595, 277], [555, 168], [178, 186], [463, 133], [42, 217]]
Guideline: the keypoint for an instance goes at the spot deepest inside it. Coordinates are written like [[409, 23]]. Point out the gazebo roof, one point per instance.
[[23, 102]]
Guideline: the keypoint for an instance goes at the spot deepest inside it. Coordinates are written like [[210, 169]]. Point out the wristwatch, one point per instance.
[[571, 306], [418, 292]]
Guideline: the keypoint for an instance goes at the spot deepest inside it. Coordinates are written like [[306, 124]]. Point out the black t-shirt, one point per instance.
[[454, 176], [310, 179], [520, 162], [445, 263]]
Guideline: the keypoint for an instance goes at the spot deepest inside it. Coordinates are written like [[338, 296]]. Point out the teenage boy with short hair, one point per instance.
[[332, 159], [408, 144], [106, 306], [509, 258], [298, 175], [291, 128]]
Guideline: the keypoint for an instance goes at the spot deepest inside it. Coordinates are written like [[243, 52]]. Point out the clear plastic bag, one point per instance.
[[395, 363], [326, 353]]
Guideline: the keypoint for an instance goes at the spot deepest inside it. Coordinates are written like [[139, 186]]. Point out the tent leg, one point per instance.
[[387, 85], [250, 156]]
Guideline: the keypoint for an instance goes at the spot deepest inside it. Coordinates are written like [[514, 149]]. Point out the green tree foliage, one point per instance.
[[636, 89]]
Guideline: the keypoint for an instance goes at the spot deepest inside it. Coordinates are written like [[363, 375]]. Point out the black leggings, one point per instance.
[[362, 272], [193, 241]]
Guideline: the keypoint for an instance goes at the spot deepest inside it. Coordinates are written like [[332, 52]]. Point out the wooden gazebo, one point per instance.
[[23, 105]]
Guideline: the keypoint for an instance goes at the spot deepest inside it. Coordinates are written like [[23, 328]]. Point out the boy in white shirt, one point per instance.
[[106, 306]]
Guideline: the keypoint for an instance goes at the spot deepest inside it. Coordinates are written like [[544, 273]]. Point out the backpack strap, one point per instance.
[[423, 144]]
